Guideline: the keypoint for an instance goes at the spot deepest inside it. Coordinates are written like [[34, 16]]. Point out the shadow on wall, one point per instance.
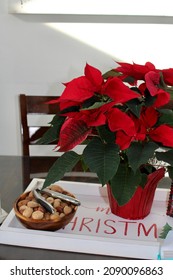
[[96, 18]]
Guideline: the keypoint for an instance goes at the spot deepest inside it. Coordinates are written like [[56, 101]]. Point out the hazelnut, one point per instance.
[[32, 204], [27, 212], [62, 215], [56, 188], [22, 202], [31, 195], [50, 200], [55, 216], [40, 208], [67, 210], [37, 215], [47, 216], [59, 209], [63, 204], [56, 203], [22, 208]]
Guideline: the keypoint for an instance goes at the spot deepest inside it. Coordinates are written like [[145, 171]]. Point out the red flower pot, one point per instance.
[[139, 206]]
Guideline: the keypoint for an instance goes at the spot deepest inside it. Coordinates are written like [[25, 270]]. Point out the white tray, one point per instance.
[[94, 229]]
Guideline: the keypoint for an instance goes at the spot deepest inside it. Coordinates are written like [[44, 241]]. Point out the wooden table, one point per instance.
[[11, 186]]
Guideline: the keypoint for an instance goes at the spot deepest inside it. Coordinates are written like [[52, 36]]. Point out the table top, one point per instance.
[[12, 183], [11, 186]]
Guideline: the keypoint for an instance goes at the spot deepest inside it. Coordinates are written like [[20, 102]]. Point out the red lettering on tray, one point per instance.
[[127, 226], [85, 222], [106, 222], [111, 226], [74, 222], [153, 226], [107, 210], [98, 225]]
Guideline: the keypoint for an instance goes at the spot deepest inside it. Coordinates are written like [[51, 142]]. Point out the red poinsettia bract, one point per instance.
[[134, 70], [146, 128], [92, 83]]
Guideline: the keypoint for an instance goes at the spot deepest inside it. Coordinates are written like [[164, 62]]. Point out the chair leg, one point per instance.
[[26, 171]]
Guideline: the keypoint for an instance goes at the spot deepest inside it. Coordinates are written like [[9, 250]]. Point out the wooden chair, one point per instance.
[[35, 115]]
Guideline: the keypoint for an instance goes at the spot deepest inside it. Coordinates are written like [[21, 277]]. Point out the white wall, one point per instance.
[[34, 59]]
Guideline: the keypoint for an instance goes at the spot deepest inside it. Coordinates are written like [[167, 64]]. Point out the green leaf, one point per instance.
[[106, 135], [90, 101], [129, 80], [165, 231], [95, 102], [111, 73], [70, 109], [139, 154], [170, 171], [135, 106], [63, 164], [52, 133], [149, 100], [124, 183], [144, 178], [166, 117], [95, 105], [49, 136], [102, 159], [147, 169], [57, 120], [165, 156]]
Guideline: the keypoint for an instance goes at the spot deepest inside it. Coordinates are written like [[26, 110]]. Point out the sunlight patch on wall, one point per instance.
[[126, 42]]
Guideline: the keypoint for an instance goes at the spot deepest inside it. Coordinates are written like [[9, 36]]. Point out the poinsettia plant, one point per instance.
[[122, 119]]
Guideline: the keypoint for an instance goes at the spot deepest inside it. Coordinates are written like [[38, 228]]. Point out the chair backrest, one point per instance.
[[35, 117]]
